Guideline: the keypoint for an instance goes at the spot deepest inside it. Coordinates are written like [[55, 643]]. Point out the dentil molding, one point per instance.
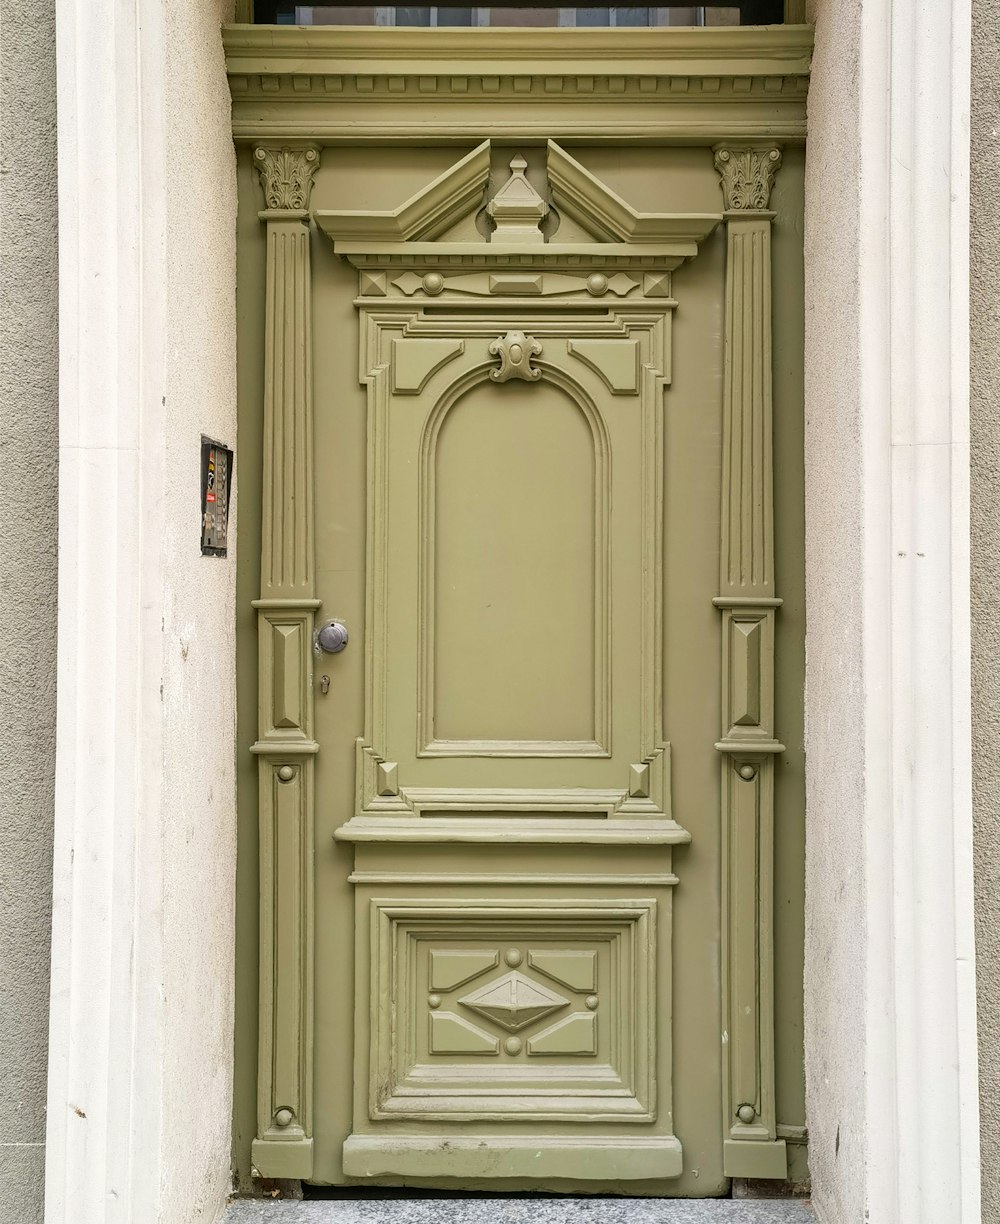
[[334, 85]]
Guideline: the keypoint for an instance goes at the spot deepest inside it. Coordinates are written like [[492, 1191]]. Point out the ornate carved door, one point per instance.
[[476, 813]]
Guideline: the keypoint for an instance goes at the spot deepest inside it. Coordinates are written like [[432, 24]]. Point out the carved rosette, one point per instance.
[[747, 174], [286, 175]]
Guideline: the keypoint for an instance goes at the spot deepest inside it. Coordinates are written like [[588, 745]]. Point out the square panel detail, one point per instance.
[[506, 1010]]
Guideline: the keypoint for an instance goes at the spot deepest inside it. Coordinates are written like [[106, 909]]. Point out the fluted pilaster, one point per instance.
[[285, 613], [748, 605]]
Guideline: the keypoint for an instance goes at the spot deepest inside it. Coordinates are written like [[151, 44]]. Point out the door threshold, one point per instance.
[[528, 1210]]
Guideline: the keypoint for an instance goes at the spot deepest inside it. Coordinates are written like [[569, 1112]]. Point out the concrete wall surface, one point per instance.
[[835, 799], [199, 719], [985, 427], [141, 1003], [28, 520], [891, 1064]]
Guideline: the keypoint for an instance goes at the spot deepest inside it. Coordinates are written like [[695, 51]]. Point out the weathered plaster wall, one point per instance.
[[835, 904], [198, 783], [141, 1031], [28, 439], [985, 425], [889, 870]]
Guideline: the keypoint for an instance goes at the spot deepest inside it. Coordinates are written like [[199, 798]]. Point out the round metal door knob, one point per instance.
[[331, 637]]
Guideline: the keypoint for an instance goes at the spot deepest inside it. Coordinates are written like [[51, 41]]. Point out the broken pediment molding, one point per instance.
[[601, 211], [616, 235], [434, 209]]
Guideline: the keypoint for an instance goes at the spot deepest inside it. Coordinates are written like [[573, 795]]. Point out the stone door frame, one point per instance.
[[889, 819]]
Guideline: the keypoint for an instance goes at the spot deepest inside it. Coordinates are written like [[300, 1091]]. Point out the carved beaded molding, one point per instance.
[[747, 175], [286, 175]]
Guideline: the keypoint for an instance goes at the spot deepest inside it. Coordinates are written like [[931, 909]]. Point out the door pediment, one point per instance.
[[444, 202], [516, 212]]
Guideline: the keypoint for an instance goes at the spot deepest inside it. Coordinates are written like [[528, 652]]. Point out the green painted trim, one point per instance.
[[288, 1159], [596, 1158], [286, 603], [509, 831], [249, 528], [749, 607], [746, 1158], [345, 84], [711, 51], [286, 610]]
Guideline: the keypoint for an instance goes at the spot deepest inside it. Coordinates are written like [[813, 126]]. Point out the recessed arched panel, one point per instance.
[[514, 621]]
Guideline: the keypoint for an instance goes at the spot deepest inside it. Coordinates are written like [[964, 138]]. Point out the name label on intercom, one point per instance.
[[216, 478]]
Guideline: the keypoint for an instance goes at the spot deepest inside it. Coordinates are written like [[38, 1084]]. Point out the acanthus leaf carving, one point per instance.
[[286, 175], [515, 351], [747, 174]]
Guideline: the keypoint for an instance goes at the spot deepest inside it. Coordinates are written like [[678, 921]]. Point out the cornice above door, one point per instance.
[[667, 86]]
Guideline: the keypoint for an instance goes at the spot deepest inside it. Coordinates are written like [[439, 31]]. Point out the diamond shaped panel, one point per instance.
[[514, 1001]]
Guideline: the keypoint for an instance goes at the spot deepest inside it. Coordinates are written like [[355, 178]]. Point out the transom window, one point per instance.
[[749, 12]]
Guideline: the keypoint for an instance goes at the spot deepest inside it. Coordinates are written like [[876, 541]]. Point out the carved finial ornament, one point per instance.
[[286, 175], [517, 210], [747, 174], [515, 351]]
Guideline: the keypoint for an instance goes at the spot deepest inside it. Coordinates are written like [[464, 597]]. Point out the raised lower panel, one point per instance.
[[510, 1010], [597, 1158], [521, 1028]]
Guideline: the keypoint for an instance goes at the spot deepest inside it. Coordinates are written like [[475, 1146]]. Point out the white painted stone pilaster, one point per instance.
[[103, 1108], [139, 1101], [891, 1028]]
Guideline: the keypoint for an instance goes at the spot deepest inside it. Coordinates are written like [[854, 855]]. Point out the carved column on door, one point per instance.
[[286, 612], [748, 605]]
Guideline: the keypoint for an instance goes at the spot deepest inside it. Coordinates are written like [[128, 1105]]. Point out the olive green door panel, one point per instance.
[[513, 693], [518, 882]]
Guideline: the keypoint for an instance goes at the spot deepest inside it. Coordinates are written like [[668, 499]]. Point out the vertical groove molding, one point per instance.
[[286, 612], [748, 606]]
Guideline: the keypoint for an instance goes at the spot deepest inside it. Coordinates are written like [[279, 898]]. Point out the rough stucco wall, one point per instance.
[[28, 439], [985, 429], [834, 953], [198, 781]]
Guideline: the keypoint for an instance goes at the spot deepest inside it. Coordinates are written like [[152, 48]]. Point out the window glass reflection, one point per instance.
[[284, 12]]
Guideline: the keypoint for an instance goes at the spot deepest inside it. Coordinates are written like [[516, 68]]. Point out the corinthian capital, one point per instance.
[[286, 175], [747, 173]]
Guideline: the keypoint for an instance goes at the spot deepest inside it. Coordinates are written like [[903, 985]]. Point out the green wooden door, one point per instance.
[[517, 907]]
